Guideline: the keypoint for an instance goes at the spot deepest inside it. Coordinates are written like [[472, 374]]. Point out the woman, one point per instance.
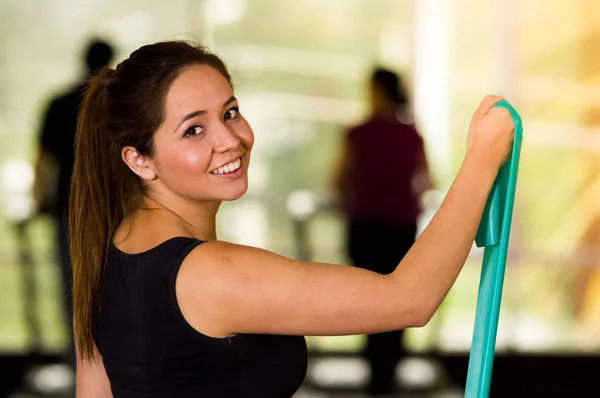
[[382, 207], [164, 309]]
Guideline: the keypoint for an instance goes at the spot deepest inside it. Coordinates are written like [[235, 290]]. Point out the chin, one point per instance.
[[234, 193], [231, 198]]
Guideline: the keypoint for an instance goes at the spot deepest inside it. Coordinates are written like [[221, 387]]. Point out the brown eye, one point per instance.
[[232, 113], [193, 131]]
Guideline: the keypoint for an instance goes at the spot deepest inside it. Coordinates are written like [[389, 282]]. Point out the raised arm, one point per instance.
[[225, 289]]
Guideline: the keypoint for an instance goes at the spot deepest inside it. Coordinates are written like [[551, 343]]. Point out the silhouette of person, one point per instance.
[[56, 149], [380, 175]]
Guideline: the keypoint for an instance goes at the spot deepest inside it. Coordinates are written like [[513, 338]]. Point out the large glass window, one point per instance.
[[300, 69]]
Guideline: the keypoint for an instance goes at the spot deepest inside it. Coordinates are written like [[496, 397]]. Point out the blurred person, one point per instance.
[[56, 143], [165, 309], [380, 175]]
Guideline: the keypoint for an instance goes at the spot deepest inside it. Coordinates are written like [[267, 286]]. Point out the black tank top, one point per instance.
[[150, 351]]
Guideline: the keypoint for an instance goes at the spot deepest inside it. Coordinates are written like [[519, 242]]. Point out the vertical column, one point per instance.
[[431, 84], [200, 24], [505, 16], [588, 274]]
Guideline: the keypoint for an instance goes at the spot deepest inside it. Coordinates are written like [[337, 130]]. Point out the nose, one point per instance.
[[226, 139]]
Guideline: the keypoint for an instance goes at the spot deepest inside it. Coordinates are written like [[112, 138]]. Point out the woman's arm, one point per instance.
[[225, 289], [91, 378]]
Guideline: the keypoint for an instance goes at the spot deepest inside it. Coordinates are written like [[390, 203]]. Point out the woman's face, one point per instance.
[[202, 149]]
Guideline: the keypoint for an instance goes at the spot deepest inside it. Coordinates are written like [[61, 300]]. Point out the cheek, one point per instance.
[[183, 161], [246, 134]]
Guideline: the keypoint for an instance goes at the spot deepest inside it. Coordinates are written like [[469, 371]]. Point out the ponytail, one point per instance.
[[96, 207], [121, 108]]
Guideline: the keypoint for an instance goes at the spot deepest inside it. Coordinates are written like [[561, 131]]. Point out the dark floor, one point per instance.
[[340, 376]]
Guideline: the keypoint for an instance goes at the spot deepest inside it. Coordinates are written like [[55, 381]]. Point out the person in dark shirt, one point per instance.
[[162, 308], [381, 174], [56, 143]]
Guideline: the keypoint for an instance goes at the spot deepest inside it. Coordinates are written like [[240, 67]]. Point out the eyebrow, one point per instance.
[[199, 113]]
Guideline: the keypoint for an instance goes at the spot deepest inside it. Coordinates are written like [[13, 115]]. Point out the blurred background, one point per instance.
[[300, 71]]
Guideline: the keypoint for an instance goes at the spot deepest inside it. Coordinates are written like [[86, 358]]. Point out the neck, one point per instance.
[[384, 113], [198, 220]]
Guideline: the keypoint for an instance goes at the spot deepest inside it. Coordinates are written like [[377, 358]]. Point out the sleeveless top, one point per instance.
[[150, 351]]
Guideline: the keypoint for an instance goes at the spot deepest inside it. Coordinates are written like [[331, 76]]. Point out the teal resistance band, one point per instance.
[[493, 233]]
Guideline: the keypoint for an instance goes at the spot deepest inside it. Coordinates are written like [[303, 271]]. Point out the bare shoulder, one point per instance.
[[215, 278], [218, 259], [220, 252]]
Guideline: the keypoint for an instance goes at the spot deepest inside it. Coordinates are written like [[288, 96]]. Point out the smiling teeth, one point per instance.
[[228, 168]]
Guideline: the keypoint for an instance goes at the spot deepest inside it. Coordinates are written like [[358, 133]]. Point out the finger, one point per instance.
[[487, 104], [501, 111], [502, 115]]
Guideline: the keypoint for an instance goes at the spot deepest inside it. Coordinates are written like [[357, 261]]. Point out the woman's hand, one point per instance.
[[491, 134]]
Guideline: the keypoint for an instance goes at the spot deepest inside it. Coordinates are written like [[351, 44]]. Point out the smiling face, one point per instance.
[[202, 149]]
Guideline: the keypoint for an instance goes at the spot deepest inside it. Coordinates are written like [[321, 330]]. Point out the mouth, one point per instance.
[[229, 168]]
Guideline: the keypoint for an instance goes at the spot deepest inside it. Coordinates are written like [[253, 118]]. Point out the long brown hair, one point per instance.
[[121, 107]]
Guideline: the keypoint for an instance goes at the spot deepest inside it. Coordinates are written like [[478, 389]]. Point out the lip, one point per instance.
[[234, 174]]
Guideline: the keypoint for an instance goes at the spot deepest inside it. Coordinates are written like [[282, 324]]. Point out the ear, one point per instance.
[[138, 164]]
